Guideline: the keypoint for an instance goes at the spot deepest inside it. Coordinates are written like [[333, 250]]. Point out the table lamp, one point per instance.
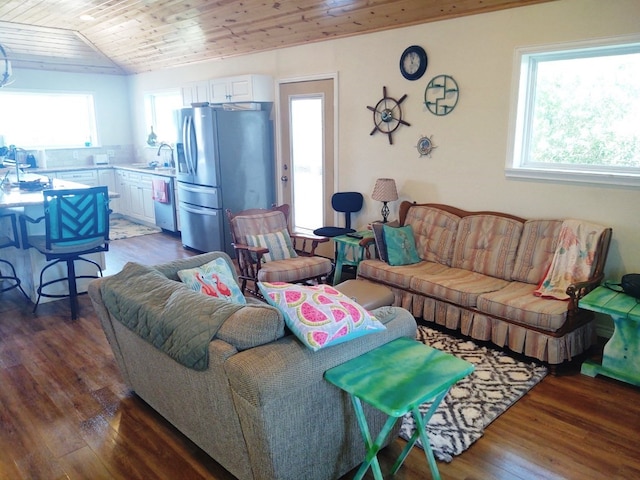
[[385, 191]]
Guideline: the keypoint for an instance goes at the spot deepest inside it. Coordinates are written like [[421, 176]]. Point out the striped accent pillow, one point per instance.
[[278, 243]]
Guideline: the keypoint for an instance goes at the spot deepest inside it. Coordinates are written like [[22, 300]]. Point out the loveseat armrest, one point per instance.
[[579, 289]]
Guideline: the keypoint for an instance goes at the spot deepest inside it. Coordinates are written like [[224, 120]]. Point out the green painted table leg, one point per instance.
[[421, 432], [371, 457]]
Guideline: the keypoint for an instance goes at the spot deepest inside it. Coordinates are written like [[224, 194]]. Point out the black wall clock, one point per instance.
[[413, 62]]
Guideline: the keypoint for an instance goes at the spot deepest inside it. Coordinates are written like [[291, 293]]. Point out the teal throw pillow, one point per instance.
[[214, 279], [401, 246]]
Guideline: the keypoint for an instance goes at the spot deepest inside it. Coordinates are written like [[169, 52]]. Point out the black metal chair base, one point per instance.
[[13, 278], [71, 280]]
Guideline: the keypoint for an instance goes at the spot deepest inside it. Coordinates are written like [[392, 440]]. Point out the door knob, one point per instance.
[[284, 178]]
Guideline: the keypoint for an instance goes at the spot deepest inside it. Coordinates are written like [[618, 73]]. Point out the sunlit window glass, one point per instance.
[[47, 120], [307, 154]]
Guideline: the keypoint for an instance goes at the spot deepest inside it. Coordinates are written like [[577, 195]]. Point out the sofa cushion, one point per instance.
[[536, 249], [434, 231], [487, 244], [214, 279], [400, 276], [455, 285], [401, 245], [518, 303], [320, 315]]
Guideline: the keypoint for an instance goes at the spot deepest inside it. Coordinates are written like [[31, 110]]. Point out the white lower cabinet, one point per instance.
[[135, 195]]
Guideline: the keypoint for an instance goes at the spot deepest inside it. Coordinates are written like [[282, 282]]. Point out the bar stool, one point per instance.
[[76, 224], [8, 241]]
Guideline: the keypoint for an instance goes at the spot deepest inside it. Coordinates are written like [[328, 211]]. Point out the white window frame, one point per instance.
[[151, 114], [521, 113]]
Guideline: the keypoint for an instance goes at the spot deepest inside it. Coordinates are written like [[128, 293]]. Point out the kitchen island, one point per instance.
[[28, 263]]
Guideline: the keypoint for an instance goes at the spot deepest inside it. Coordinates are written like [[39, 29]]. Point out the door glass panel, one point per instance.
[[307, 160]]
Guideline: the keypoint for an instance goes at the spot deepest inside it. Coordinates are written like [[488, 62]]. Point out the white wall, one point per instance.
[[467, 167]]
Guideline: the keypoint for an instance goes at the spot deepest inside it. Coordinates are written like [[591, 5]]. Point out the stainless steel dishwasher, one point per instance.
[[164, 203]]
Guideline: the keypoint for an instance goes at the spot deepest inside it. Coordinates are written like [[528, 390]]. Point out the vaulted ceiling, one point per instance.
[[134, 36]]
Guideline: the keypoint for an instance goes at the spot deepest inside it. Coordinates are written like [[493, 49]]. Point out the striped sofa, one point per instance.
[[478, 273]]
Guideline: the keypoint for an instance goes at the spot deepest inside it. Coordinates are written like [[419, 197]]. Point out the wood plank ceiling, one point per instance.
[[134, 36]]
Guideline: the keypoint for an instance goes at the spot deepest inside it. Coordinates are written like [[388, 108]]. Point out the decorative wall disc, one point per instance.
[[441, 95], [425, 146]]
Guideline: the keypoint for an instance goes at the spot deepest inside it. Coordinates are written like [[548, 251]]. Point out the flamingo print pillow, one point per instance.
[[214, 279], [320, 315]]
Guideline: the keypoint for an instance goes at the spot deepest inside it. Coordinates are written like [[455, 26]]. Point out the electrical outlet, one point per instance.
[[75, 155], [111, 153]]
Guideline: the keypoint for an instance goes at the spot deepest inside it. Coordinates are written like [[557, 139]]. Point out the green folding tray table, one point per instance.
[[396, 378]]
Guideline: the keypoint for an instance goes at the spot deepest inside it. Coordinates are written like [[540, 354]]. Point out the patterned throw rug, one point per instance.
[[497, 382], [120, 228]]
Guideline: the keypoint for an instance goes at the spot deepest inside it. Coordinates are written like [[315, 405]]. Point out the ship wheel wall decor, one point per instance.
[[387, 115]]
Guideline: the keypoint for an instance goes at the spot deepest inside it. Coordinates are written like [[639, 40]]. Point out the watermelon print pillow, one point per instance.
[[320, 315]]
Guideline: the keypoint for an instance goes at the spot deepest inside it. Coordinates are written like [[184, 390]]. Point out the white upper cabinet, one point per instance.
[[243, 88], [239, 89], [196, 92]]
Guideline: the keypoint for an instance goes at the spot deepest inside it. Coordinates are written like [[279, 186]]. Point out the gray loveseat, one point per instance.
[[477, 273], [261, 408]]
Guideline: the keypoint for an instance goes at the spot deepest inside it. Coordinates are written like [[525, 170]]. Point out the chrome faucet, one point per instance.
[[170, 148]]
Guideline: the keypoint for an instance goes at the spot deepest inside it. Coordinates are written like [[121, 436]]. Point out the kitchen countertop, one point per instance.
[[167, 172], [15, 197]]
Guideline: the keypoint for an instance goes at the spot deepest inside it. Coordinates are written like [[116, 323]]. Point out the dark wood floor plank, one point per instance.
[[65, 411]]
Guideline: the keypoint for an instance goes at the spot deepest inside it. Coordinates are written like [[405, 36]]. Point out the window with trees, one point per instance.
[[576, 113]]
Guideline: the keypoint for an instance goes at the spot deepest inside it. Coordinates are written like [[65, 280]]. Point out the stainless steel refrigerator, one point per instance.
[[225, 161]]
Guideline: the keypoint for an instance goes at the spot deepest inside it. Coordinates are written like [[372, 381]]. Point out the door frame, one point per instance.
[[278, 130]]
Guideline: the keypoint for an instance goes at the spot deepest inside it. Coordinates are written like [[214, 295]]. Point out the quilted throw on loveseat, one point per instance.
[[174, 319]]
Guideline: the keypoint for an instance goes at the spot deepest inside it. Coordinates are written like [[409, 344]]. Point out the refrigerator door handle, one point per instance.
[[199, 210], [187, 130]]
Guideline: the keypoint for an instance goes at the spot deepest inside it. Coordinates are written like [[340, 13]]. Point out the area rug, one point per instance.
[[497, 382], [120, 228]]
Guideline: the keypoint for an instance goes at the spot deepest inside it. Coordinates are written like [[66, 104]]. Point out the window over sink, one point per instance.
[[33, 120]]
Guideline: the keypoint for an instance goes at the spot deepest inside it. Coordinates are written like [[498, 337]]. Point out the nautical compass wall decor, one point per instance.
[[425, 146], [387, 115]]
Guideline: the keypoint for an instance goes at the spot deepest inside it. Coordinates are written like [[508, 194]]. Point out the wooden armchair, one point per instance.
[[267, 251]]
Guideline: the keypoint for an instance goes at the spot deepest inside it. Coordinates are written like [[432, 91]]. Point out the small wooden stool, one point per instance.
[[368, 294]]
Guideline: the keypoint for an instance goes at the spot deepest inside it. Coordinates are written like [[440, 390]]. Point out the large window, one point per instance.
[[576, 113], [33, 120]]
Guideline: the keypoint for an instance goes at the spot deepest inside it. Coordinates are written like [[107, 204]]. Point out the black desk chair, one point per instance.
[[8, 241], [347, 203], [76, 224]]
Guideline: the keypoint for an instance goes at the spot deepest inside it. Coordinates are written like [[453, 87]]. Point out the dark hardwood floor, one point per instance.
[[66, 414]]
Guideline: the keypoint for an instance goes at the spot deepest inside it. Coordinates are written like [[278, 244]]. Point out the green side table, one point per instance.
[[396, 378], [621, 355], [349, 252]]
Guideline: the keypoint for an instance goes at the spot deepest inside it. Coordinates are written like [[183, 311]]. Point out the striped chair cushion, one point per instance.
[[278, 243], [262, 223], [454, 285], [487, 244], [434, 231], [536, 250], [518, 303], [293, 270]]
